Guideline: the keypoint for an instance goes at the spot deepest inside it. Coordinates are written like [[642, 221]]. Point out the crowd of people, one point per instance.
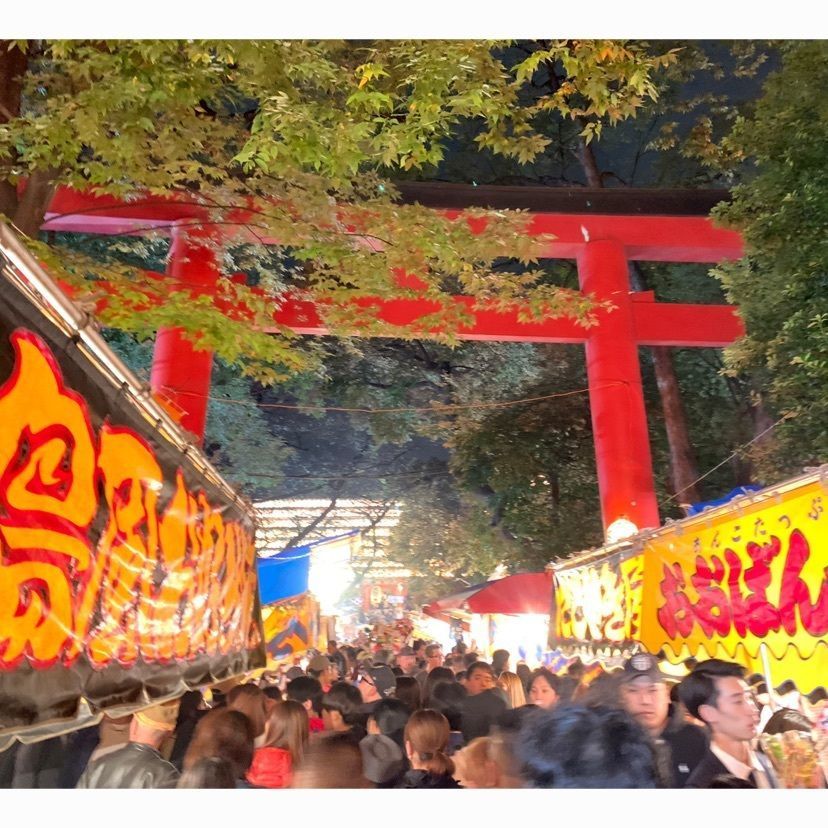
[[420, 718]]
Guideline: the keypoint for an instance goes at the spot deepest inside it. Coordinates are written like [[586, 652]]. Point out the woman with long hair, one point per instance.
[[426, 739], [512, 686], [286, 736]]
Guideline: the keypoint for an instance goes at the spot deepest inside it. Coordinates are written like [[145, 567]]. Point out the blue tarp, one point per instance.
[[286, 575], [696, 508]]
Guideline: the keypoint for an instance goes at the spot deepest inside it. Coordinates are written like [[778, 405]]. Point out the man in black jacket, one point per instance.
[[645, 695], [716, 693]]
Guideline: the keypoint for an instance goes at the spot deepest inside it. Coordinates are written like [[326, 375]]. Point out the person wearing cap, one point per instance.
[[139, 763], [715, 692], [407, 661], [322, 669], [375, 683], [645, 694]]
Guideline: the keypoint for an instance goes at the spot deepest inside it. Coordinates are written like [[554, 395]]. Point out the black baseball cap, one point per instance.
[[642, 665]]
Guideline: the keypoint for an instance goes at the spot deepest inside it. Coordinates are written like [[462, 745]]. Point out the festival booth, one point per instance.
[[745, 581], [127, 564], [290, 610], [509, 613]]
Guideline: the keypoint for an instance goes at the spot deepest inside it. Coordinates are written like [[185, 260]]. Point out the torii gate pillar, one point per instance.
[[619, 418], [180, 373]]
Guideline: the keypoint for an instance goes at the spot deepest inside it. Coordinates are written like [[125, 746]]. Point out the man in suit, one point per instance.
[[715, 692]]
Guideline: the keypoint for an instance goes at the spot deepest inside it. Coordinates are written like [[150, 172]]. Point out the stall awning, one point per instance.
[[286, 575], [530, 592]]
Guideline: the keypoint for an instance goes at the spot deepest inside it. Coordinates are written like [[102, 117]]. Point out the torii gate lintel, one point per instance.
[[602, 244]]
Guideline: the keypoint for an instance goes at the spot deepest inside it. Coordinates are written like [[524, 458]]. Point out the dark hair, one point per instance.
[[305, 688], [409, 692], [524, 673], [499, 660], [209, 772], [460, 648], [391, 716], [478, 665], [461, 676], [699, 687], [250, 700], [227, 734], [551, 679], [580, 747], [576, 669], [470, 658], [436, 675], [431, 649], [272, 692], [567, 685], [602, 691], [447, 698], [346, 700], [418, 642], [333, 761]]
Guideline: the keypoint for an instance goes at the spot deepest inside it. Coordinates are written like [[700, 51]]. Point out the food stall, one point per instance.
[[127, 563], [510, 613]]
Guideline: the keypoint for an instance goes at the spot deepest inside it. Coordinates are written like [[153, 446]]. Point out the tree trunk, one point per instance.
[[13, 65], [683, 469], [34, 202]]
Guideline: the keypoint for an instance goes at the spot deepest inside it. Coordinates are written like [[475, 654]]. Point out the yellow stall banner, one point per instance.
[[599, 603], [723, 583]]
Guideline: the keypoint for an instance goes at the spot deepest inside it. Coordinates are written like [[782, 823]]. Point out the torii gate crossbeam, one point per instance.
[[589, 226]]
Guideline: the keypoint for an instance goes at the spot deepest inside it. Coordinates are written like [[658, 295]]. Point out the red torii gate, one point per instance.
[[603, 230]]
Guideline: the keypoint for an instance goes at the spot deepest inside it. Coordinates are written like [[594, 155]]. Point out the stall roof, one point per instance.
[[529, 592], [285, 575]]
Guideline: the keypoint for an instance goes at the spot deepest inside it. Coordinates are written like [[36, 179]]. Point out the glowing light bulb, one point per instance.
[[620, 529]]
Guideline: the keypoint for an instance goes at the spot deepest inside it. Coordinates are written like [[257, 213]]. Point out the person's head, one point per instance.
[[715, 692], [389, 718], [287, 728], [581, 747], [644, 692], [332, 648], [447, 698], [426, 738], [433, 656], [524, 673], [500, 661], [323, 670], [333, 761], [225, 733], [342, 707], [479, 677], [543, 688], [209, 772], [308, 692], [409, 692], [455, 663], [475, 765], [459, 648], [376, 683], [576, 669], [153, 725], [513, 687], [437, 675], [250, 700], [407, 661], [469, 659]]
